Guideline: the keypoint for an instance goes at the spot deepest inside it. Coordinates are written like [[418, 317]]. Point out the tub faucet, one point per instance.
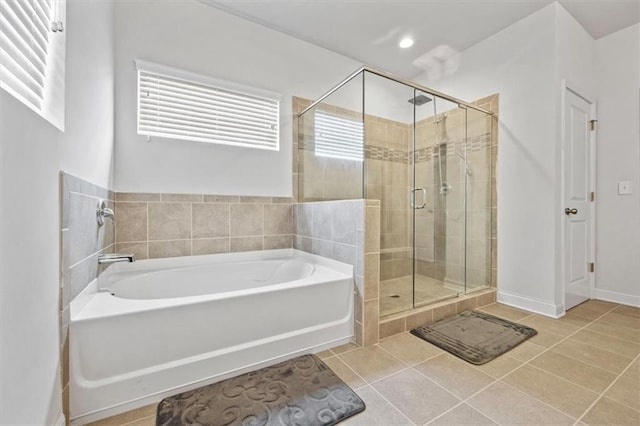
[[115, 258]]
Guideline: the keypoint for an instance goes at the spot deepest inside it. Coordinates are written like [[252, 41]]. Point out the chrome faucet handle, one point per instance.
[[103, 212]]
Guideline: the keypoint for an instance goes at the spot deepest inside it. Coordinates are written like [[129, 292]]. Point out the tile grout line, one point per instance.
[[499, 379], [607, 389]]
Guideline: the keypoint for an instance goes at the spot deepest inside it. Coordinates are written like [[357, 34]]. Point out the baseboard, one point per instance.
[[613, 296], [529, 304]]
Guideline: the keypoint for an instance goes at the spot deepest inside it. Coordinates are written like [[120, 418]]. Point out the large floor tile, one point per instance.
[[457, 376], [546, 338], [593, 355], [575, 371], [508, 406], [462, 415], [625, 392], [415, 396], [410, 349], [525, 351], [345, 373], [631, 311], [559, 393], [500, 366], [618, 331], [624, 320], [610, 413], [372, 363], [609, 343], [378, 412], [347, 347], [541, 323], [504, 311], [141, 414], [591, 309]]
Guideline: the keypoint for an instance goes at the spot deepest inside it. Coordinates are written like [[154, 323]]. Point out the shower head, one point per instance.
[[420, 100]]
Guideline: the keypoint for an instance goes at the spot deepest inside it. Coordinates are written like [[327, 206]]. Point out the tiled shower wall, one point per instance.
[[168, 225], [347, 231], [81, 242]]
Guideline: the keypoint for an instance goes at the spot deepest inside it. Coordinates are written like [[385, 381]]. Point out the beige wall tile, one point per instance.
[[418, 319], [136, 196], [272, 242], [246, 244], [444, 311], [210, 220], [140, 250], [391, 327], [210, 246], [371, 316], [131, 223], [221, 198], [188, 198], [246, 220], [251, 199], [169, 221], [278, 219], [172, 248], [371, 276]]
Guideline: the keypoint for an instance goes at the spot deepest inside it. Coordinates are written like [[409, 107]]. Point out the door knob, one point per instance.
[[569, 211]]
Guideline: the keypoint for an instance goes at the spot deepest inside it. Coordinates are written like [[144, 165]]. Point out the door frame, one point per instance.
[[576, 90]]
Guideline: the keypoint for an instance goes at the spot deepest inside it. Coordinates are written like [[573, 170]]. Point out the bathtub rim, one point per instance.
[[81, 304]]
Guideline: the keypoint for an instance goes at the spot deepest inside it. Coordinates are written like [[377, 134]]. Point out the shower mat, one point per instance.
[[301, 391], [474, 336]]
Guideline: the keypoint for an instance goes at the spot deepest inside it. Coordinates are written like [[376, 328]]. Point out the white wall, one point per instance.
[[33, 152], [518, 63], [618, 154], [199, 38]]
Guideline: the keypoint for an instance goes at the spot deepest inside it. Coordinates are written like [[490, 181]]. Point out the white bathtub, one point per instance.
[[154, 328]]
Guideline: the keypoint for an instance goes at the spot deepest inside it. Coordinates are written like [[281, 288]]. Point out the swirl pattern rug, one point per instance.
[[299, 392], [474, 336]]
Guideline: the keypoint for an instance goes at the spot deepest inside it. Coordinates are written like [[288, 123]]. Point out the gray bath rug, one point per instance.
[[474, 336], [299, 392]]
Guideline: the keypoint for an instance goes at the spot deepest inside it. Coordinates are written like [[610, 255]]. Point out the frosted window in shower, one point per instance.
[[178, 104], [338, 136]]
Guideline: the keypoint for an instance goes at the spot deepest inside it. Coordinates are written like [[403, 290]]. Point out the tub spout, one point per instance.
[[115, 258]]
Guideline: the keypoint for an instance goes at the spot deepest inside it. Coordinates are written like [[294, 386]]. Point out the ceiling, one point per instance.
[[369, 30]]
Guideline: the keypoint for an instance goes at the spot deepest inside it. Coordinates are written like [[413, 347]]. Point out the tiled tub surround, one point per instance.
[[81, 241], [347, 231], [170, 225]]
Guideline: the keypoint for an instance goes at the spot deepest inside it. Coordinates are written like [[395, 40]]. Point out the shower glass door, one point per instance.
[[439, 162]]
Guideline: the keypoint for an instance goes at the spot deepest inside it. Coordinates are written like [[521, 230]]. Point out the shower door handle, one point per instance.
[[413, 198]]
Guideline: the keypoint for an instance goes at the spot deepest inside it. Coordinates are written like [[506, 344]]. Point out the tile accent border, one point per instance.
[[152, 225]]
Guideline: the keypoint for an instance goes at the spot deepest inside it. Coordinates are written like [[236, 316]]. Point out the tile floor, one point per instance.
[[581, 369]]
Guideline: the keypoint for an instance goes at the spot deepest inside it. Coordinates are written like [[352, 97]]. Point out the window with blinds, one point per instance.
[[29, 50], [182, 105], [338, 136]]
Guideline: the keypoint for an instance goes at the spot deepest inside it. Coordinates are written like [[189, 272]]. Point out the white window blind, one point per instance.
[[338, 136], [32, 55], [182, 105]]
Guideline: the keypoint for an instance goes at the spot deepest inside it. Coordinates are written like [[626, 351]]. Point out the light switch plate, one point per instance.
[[624, 187]]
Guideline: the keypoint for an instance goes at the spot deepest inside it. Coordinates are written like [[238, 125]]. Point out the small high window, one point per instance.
[[338, 136], [183, 105]]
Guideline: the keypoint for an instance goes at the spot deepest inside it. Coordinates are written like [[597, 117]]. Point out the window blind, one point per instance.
[[24, 49], [182, 105], [338, 136]]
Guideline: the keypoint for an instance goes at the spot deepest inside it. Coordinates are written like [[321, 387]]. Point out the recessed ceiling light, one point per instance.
[[406, 42]]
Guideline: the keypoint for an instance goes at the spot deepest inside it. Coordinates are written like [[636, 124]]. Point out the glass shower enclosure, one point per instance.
[[428, 158]]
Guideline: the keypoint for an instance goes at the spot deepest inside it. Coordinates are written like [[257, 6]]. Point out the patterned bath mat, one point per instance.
[[475, 336], [299, 392]]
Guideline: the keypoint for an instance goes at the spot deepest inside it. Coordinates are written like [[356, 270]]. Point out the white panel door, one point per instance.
[[577, 209]]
